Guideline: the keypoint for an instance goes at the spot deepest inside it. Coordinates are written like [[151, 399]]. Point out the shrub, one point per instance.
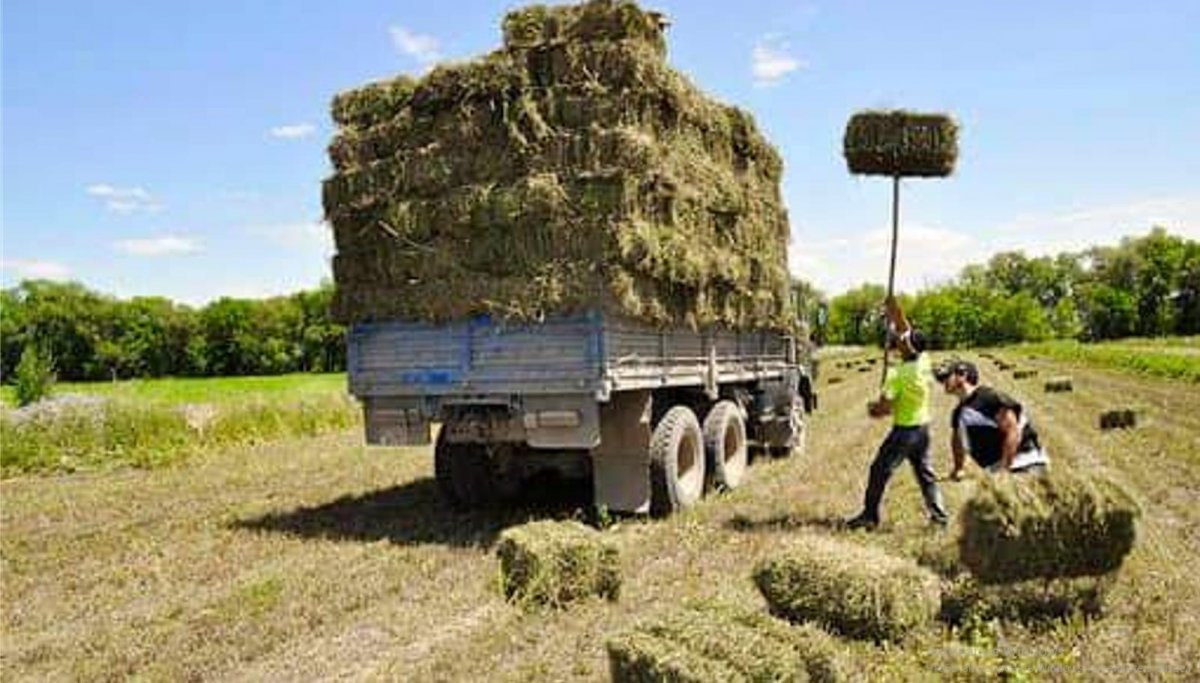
[[34, 377]]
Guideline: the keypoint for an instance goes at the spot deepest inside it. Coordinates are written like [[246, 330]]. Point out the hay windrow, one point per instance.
[[853, 590], [555, 563], [1064, 524], [573, 160], [901, 143]]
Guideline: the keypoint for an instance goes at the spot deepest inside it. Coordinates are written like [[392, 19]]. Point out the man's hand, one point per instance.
[[956, 474], [879, 408]]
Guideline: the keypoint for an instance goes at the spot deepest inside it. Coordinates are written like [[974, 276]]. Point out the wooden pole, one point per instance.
[[891, 267]]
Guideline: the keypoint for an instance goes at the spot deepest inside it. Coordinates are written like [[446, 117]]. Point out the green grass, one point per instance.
[[177, 390], [1174, 358]]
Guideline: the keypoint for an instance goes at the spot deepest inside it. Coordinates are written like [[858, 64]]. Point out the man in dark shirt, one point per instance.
[[990, 425]]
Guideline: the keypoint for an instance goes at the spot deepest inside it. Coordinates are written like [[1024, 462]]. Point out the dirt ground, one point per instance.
[[321, 559]]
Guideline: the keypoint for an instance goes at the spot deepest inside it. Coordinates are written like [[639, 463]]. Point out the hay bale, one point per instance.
[[864, 368], [573, 169], [1024, 374], [966, 600], [835, 380], [555, 563], [736, 643], [1118, 419], [900, 143], [1058, 385], [1059, 525], [853, 590]]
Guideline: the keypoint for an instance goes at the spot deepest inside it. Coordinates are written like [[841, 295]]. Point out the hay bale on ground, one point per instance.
[[1063, 524], [1059, 384], [853, 590], [900, 143], [835, 380], [554, 563], [864, 368], [1024, 374], [966, 600], [1118, 419], [729, 642]]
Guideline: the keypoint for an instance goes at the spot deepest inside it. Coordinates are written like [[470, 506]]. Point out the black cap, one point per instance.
[[962, 368]]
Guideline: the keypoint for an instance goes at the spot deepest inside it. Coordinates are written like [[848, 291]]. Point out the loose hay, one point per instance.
[[853, 590], [717, 643], [1118, 419], [901, 143], [571, 169], [1062, 524], [555, 563], [1059, 384]]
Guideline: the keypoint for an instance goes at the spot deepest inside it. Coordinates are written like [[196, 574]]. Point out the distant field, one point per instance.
[[177, 390], [1171, 357]]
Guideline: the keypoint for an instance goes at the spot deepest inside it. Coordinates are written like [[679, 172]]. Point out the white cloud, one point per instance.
[[162, 245], [35, 269], [770, 62], [304, 236], [125, 199], [1077, 228], [423, 48], [294, 131]]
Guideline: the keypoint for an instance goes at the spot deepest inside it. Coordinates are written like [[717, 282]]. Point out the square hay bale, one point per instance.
[[852, 590], [835, 380], [555, 563], [1058, 385], [900, 143], [638, 657], [1038, 602], [1124, 418], [1063, 524], [740, 644], [1024, 374]]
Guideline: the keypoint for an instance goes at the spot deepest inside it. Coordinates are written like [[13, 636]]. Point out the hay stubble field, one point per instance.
[[319, 558]]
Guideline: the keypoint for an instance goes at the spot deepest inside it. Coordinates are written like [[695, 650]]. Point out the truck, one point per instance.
[[654, 417]]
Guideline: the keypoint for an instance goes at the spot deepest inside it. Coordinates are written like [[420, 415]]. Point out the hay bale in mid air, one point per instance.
[[1059, 384], [853, 590], [736, 643], [900, 143], [1024, 374], [1059, 525], [966, 600], [554, 563], [1118, 419]]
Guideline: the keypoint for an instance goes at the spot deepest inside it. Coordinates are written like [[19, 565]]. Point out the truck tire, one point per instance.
[[725, 445], [464, 475], [794, 438], [677, 462]]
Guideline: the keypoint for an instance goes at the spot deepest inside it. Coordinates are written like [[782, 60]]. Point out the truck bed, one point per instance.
[[582, 354]]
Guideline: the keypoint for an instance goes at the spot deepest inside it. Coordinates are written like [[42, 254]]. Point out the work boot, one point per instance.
[[862, 522]]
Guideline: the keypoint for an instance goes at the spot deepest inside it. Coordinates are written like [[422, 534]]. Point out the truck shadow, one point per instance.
[[414, 513]]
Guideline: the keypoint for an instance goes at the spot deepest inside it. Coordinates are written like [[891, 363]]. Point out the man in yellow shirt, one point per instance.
[[905, 397]]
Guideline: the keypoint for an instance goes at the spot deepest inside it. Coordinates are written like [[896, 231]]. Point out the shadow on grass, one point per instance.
[[785, 523], [415, 514]]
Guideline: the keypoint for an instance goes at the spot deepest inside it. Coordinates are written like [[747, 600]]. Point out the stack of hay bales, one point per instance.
[[853, 590], [715, 643], [1060, 525], [570, 169], [555, 563]]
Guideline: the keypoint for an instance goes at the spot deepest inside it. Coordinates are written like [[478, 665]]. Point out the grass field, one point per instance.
[[179, 390], [1173, 357], [318, 558]]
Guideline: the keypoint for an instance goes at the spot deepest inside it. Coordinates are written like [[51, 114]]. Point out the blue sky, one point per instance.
[[177, 148]]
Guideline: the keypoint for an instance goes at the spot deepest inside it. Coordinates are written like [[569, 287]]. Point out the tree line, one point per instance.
[[1143, 286], [91, 336]]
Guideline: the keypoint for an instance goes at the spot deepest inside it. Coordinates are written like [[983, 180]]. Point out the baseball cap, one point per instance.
[[956, 367]]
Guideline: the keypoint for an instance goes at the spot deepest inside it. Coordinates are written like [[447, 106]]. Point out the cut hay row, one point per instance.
[[571, 169], [901, 143], [555, 563], [722, 643], [853, 590], [1055, 526]]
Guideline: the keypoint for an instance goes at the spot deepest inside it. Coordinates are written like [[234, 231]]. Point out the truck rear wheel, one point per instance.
[[725, 444], [677, 462], [466, 476]]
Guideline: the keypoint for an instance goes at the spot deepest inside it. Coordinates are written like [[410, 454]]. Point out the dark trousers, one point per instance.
[[911, 444]]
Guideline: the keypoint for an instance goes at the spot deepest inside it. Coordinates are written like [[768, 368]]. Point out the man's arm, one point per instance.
[[960, 456], [1010, 435], [899, 322]]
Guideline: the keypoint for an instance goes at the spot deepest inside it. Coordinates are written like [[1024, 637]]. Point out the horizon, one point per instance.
[[187, 164]]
